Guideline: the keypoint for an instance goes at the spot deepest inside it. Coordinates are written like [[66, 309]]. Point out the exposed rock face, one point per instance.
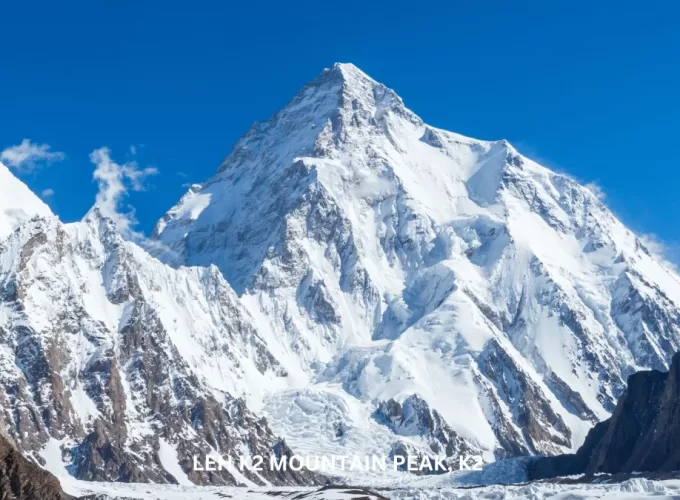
[[21, 479], [414, 418], [531, 410], [642, 435]]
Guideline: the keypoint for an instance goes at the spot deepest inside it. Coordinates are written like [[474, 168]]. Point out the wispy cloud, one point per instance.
[[183, 175], [530, 151], [115, 180], [667, 253], [47, 193], [27, 156], [597, 190]]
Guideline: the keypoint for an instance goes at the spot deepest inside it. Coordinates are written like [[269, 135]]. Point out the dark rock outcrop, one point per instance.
[[543, 429], [414, 417], [21, 479], [642, 435]]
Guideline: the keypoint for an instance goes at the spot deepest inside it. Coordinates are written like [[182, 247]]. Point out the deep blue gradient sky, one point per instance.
[[589, 88]]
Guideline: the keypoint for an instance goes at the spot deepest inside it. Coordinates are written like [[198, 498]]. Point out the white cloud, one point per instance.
[[668, 254], [115, 181], [183, 175], [653, 244], [27, 156], [597, 190], [47, 193]]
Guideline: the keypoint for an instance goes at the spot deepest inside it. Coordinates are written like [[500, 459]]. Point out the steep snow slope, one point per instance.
[[383, 258], [17, 202]]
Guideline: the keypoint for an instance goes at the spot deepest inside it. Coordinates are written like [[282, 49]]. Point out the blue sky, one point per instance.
[[588, 88]]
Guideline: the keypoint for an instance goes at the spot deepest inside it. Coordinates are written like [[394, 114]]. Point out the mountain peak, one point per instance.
[[344, 86], [17, 202], [350, 73], [339, 99], [347, 67], [345, 73]]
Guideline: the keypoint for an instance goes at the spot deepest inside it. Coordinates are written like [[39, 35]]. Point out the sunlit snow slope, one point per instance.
[[382, 258], [17, 202]]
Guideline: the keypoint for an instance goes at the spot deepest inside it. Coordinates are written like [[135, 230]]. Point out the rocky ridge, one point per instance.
[[642, 435]]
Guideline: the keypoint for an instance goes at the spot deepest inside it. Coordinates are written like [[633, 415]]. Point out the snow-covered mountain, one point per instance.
[[383, 258], [351, 280], [116, 367], [17, 202]]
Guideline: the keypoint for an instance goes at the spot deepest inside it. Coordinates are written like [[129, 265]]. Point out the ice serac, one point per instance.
[[17, 202], [116, 367], [382, 257]]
